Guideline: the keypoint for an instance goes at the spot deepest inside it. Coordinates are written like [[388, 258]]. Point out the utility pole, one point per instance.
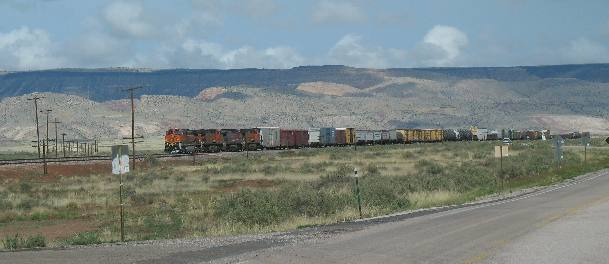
[[130, 90], [56, 122], [35, 99], [63, 144], [45, 146]]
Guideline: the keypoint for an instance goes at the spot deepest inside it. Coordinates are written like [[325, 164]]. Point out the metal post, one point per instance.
[[63, 144], [585, 153], [120, 194], [359, 199], [501, 165], [44, 159]]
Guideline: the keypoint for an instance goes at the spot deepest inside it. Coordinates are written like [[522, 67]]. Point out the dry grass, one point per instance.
[[170, 199]]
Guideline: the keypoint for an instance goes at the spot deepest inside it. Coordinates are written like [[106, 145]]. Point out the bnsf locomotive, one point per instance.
[[216, 140]]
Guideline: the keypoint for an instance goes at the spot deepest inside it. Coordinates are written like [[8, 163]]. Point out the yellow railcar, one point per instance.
[[350, 135]]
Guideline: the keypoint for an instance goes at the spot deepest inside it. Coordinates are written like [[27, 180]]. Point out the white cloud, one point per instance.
[[97, 49], [583, 50], [328, 11], [127, 18], [350, 51], [205, 54], [441, 46], [27, 49]]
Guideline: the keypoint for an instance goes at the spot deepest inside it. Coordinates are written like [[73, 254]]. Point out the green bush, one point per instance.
[[384, 193], [162, 223], [86, 238], [342, 174], [268, 207], [251, 208], [429, 166], [16, 242]]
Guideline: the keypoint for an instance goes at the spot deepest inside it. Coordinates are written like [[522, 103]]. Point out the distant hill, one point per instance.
[[90, 104], [102, 84]]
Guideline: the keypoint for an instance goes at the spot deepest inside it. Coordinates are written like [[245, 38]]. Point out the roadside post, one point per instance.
[[359, 199], [120, 166], [558, 142], [500, 152], [586, 142]]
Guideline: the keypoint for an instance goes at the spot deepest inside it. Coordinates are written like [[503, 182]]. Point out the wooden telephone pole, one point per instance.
[[130, 90], [35, 99], [56, 137], [45, 145]]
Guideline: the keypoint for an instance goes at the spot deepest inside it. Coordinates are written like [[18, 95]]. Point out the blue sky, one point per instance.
[[42, 34]]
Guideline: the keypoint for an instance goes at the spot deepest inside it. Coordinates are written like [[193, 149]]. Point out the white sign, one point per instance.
[[501, 150], [120, 159]]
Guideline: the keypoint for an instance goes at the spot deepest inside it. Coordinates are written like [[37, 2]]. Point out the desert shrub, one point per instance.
[[429, 166], [268, 207], [27, 203], [5, 204], [306, 200], [251, 208], [25, 187], [16, 242], [383, 193], [205, 178], [342, 174], [372, 170], [269, 169], [163, 222], [40, 216], [86, 238], [407, 155], [35, 241], [151, 160]]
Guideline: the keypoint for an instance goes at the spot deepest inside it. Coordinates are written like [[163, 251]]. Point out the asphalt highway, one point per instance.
[[565, 223]]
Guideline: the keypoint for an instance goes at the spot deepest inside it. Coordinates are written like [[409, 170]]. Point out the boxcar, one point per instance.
[[408, 135], [327, 136], [314, 137], [393, 136], [294, 138], [350, 137], [363, 137], [270, 137], [385, 139], [450, 135], [233, 141], [341, 137], [377, 137]]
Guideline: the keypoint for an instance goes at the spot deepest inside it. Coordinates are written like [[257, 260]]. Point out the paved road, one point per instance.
[[568, 223]]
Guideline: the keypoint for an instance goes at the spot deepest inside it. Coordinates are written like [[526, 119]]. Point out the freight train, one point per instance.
[[216, 140]]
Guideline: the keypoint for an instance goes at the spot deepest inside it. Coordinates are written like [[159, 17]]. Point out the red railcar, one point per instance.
[[294, 138], [251, 138], [341, 137]]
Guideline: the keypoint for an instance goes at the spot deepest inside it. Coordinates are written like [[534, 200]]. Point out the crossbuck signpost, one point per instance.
[[120, 166]]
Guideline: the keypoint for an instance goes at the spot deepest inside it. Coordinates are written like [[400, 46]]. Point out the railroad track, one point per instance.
[[82, 159]]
